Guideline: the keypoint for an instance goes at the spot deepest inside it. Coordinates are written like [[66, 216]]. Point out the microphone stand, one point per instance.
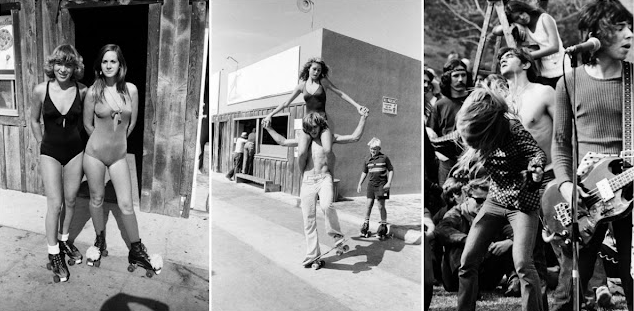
[[575, 193]]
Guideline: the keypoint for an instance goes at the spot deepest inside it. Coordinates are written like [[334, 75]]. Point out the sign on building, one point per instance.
[[389, 105]]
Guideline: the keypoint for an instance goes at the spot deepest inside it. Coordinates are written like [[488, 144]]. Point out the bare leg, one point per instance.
[[382, 209], [51, 171], [95, 173], [120, 176], [303, 144], [73, 172]]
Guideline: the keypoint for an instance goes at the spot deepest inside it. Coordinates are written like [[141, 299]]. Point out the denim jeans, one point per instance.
[[313, 185], [486, 225]]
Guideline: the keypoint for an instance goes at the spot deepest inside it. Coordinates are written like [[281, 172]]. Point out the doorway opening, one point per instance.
[[127, 27]]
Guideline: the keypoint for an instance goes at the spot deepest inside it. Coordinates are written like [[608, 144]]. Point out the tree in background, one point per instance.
[[455, 25]]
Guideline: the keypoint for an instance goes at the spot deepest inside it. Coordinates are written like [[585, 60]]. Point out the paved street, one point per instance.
[[258, 245]]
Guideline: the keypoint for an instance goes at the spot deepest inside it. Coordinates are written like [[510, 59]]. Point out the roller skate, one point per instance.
[[73, 254], [94, 253], [365, 230], [381, 232], [138, 257], [57, 264]]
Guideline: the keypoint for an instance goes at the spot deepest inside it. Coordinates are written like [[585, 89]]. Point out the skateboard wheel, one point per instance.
[[56, 278], [131, 268], [97, 263], [149, 273], [71, 262], [315, 265], [48, 266], [346, 248], [339, 253]]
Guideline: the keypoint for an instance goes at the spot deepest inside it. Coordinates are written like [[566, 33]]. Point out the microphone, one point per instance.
[[592, 45]]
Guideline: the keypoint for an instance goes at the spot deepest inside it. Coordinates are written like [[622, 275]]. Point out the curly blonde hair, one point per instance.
[[65, 54]]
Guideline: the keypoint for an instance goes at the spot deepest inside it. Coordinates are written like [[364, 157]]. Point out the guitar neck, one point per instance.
[[622, 180]]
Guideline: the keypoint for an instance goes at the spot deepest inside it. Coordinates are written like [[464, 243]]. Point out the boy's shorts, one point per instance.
[[377, 192]]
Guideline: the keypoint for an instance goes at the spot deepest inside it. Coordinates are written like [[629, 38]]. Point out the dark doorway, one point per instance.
[[127, 27]]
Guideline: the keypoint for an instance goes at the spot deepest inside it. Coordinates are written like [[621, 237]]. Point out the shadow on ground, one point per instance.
[[81, 215], [374, 254]]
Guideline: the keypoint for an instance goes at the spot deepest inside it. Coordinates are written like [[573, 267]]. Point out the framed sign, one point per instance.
[[7, 67], [389, 105]]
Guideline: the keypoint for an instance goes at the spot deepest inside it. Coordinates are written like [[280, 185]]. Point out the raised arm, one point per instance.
[[89, 111], [298, 89], [327, 84], [288, 142], [355, 136], [134, 95], [36, 111]]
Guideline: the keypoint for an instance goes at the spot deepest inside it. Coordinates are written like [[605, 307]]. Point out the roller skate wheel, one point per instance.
[[339, 253], [104, 253], [97, 263], [346, 248], [149, 273], [56, 278], [131, 268], [315, 265], [48, 266], [89, 262], [71, 262], [158, 271]]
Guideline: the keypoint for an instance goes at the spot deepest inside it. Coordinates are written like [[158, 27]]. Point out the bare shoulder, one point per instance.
[[40, 89], [543, 91], [131, 88]]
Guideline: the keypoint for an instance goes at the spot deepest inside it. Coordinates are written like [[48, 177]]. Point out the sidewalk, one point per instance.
[[26, 284], [404, 214]]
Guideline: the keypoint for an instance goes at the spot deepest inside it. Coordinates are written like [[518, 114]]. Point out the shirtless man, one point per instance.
[[534, 104], [317, 180]]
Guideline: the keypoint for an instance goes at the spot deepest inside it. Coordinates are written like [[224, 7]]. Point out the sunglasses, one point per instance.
[[479, 201]]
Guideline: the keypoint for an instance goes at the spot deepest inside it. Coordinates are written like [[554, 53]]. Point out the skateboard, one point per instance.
[[317, 263]]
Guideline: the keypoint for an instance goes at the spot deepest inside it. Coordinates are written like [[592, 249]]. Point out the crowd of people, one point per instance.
[[493, 146]]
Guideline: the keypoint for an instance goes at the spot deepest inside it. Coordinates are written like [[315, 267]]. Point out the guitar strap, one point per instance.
[[628, 68]]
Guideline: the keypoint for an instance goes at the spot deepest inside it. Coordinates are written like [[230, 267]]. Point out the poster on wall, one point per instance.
[[7, 59], [389, 105]]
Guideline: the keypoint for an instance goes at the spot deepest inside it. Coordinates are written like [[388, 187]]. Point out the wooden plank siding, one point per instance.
[[32, 72], [196, 63], [151, 102], [280, 171], [3, 160], [170, 111]]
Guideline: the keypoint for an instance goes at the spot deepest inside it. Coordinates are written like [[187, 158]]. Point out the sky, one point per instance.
[[243, 29]]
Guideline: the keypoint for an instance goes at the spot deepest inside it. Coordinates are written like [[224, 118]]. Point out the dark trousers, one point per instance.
[[237, 164], [490, 272], [249, 153], [587, 257], [486, 225]]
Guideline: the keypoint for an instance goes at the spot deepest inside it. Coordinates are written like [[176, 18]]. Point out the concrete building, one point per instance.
[[388, 83]]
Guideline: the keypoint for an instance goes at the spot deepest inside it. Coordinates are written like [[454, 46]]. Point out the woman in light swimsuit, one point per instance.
[[109, 117], [313, 84], [61, 150]]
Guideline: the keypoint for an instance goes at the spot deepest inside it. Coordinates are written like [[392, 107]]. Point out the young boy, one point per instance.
[[379, 168]]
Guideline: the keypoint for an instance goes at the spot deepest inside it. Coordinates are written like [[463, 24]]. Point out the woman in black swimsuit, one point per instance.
[[59, 101], [313, 84]]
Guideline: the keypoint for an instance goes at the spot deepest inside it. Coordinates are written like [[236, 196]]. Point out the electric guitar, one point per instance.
[[448, 145], [604, 202]]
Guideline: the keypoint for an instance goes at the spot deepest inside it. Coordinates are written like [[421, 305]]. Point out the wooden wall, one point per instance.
[[280, 171], [173, 82]]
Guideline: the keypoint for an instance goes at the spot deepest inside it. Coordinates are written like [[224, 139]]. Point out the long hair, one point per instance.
[[316, 60], [598, 20], [65, 54], [100, 79], [483, 122], [521, 7], [445, 79]]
